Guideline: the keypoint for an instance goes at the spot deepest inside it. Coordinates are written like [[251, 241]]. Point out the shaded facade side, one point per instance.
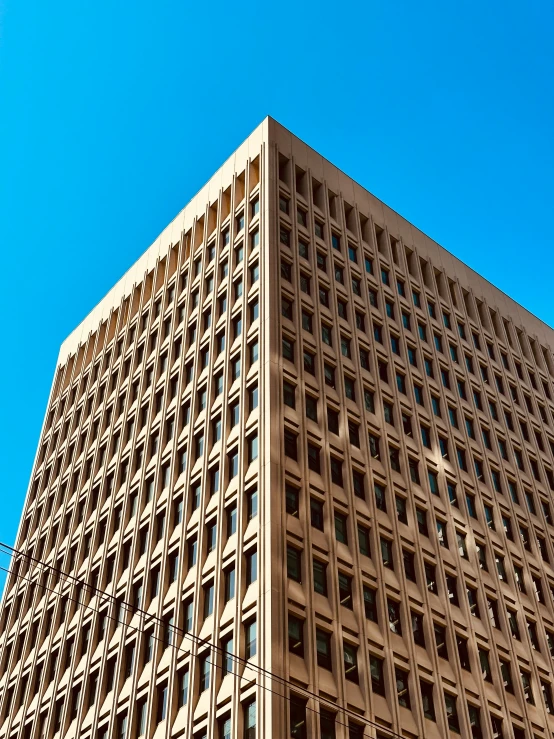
[[417, 457]]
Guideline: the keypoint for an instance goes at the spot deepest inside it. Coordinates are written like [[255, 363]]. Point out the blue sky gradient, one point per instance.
[[112, 115]]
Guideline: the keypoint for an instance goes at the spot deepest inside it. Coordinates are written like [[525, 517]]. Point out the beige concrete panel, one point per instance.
[[170, 235]]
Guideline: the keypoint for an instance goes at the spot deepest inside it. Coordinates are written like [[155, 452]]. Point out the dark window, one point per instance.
[[291, 444], [376, 669], [363, 540], [380, 497], [316, 513], [452, 712], [402, 691], [431, 577], [440, 640], [289, 394], [341, 529], [311, 407], [296, 635], [527, 689], [327, 724], [313, 458], [321, 261], [393, 611], [408, 559], [345, 590], [323, 648], [294, 564], [292, 500], [452, 589], [417, 628], [297, 718], [370, 603], [386, 553], [288, 349], [350, 654], [358, 484], [421, 516], [320, 577], [401, 510], [336, 471], [427, 700], [309, 362]]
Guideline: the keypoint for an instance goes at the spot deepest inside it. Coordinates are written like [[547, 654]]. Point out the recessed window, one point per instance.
[[321, 261], [323, 649], [363, 540], [386, 553], [292, 500], [229, 577], [296, 635], [289, 394], [421, 516], [252, 504], [291, 444], [288, 349], [402, 691], [316, 514], [341, 528], [376, 669], [313, 458], [251, 566], [303, 248], [320, 577], [307, 321], [350, 662], [253, 448], [294, 563], [311, 407], [345, 590], [233, 459], [374, 446]]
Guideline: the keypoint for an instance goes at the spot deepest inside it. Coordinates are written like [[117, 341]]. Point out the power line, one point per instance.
[[234, 657], [196, 640]]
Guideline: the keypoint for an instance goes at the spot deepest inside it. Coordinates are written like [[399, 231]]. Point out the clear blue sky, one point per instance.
[[112, 114]]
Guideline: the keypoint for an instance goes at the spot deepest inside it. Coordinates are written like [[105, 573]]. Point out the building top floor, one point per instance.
[[339, 197]]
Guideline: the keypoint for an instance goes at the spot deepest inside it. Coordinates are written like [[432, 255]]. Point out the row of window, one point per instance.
[[358, 477], [406, 317], [132, 549], [165, 434], [311, 410], [163, 305], [382, 370], [151, 373], [386, 245], [452, 584]]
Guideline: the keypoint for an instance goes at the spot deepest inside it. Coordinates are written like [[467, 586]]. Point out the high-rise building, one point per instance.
[[295, 480]]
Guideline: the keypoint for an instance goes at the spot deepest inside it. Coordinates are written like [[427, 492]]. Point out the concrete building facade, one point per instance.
[[295, 480]]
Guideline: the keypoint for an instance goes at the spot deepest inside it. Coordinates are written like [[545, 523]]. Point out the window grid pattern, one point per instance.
[[387, 322], [130, 482], [412, 450]]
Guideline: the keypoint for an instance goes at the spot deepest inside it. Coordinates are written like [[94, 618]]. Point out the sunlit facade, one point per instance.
[[295, 480]]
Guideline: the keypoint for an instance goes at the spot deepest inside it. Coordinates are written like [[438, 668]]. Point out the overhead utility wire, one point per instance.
[[195, 639]]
